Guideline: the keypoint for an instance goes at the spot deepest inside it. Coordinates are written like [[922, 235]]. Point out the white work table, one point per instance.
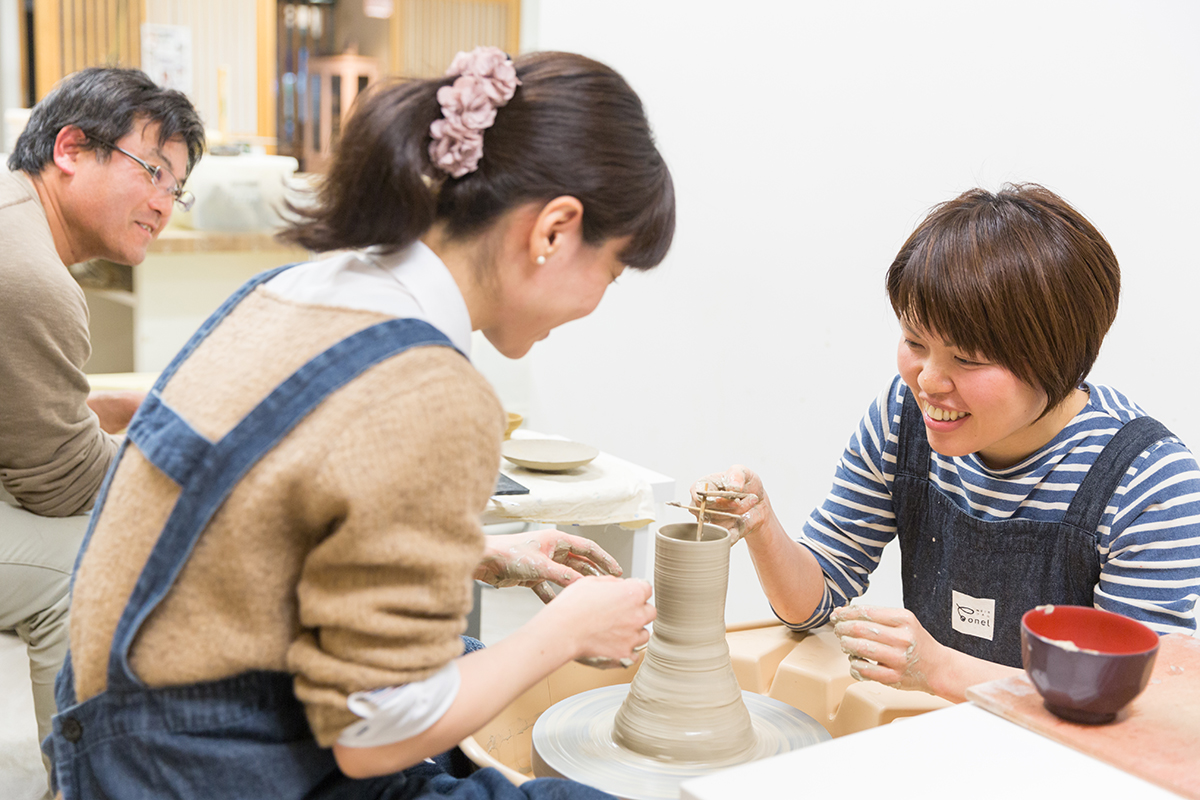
[[961, 751], [610, 501]]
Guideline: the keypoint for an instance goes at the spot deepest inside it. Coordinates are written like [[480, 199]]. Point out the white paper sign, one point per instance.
[[378, 9], [973, 616], [167, 55]]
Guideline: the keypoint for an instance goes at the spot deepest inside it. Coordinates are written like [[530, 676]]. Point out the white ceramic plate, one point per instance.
[[548, 455]]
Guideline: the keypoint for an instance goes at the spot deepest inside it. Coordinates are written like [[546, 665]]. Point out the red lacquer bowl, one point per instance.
[[1086, 663]]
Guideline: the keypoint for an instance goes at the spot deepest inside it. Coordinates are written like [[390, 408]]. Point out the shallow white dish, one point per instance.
[[548, 455]]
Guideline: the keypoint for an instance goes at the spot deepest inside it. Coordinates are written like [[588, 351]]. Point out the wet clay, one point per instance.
[[684, 714], [684, 703]]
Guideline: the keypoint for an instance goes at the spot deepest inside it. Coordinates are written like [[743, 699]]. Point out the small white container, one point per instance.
[[15, 120], [239, 193]]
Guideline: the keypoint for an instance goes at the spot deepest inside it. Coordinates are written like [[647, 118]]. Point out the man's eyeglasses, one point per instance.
[[163, 180]]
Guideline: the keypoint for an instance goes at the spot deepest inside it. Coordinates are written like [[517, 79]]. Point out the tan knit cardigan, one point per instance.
[[343, 557]]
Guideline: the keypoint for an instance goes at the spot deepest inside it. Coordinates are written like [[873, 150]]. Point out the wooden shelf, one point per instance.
[[179, 240]]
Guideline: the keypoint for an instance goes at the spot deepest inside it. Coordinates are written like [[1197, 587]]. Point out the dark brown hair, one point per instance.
[[574, 127], [105, 103], [1019, 278]]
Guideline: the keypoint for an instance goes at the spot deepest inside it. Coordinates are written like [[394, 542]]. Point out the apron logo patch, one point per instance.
[[973, 616]]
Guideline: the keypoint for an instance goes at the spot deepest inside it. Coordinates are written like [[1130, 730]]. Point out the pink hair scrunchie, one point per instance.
[[486, 80]]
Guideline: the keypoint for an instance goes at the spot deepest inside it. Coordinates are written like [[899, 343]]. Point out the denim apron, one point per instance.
[[245, 736], [968, 580]]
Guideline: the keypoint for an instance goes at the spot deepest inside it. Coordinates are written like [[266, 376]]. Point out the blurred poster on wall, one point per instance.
[[379, 9], [167, 55]]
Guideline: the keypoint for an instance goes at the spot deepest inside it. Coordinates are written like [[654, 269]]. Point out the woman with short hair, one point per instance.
[[1008, 479]]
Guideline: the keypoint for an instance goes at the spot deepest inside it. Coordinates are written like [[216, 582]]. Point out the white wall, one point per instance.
[[806, 140]]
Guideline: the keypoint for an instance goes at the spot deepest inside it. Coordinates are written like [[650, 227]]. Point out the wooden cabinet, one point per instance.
[[141, 316], [335, 82]]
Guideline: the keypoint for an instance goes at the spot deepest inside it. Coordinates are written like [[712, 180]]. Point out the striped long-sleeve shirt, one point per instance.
[[1148, 539]]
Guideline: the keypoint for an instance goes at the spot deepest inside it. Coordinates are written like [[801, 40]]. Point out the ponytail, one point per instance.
[[573, 128], [379, 165]]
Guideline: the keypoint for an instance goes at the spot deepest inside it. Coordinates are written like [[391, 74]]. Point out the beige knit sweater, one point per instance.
[[53, 455], [344, 556]]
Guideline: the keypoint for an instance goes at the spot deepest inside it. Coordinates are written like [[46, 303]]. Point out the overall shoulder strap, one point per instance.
[[152, 402], [1104, 476], [208, 471], [912, 454]]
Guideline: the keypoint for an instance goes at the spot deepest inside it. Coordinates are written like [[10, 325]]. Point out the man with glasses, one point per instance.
[[95, 174]]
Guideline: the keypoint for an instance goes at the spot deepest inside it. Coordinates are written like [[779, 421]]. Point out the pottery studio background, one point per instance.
[[807, 139]]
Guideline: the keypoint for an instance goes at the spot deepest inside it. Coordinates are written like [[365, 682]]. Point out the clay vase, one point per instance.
[[685, 703]]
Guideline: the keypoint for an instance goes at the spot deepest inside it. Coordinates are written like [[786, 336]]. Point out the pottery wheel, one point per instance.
[[574, 739]]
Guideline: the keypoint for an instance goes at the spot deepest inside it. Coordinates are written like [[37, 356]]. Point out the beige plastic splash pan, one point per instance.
[[808, 671]]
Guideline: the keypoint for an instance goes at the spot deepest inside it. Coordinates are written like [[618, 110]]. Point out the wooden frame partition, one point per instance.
[[424, 35], [267, 60], [27, 88], [72, 34]]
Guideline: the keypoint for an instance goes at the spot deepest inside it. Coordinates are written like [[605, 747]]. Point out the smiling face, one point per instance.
[[972, 406], [567, 287], [114, 208]]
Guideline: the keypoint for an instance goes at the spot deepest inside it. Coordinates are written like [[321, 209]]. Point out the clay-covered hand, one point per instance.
[[115, 409], [750, 512], [606, 619], [538, 558], [888, 645]]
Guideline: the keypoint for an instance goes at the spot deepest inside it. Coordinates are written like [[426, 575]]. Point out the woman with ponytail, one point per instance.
[[270, 598]]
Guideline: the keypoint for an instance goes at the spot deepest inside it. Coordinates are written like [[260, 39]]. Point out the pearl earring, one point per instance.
[[540, 260]]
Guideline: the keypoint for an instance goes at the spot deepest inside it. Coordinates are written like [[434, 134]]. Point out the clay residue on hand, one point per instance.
[[860, 613], [512, 568], [563, 554]]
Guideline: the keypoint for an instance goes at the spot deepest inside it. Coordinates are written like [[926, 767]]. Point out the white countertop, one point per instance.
[[957, 752], [607, 491]]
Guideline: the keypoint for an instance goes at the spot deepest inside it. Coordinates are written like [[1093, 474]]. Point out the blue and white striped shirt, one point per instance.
[[1148, 539]]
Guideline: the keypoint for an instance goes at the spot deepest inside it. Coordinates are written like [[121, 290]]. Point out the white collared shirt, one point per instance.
[[412, 283]]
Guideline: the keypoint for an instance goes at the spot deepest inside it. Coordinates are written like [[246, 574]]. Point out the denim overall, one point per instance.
[[245, 736], [1017, 563]]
